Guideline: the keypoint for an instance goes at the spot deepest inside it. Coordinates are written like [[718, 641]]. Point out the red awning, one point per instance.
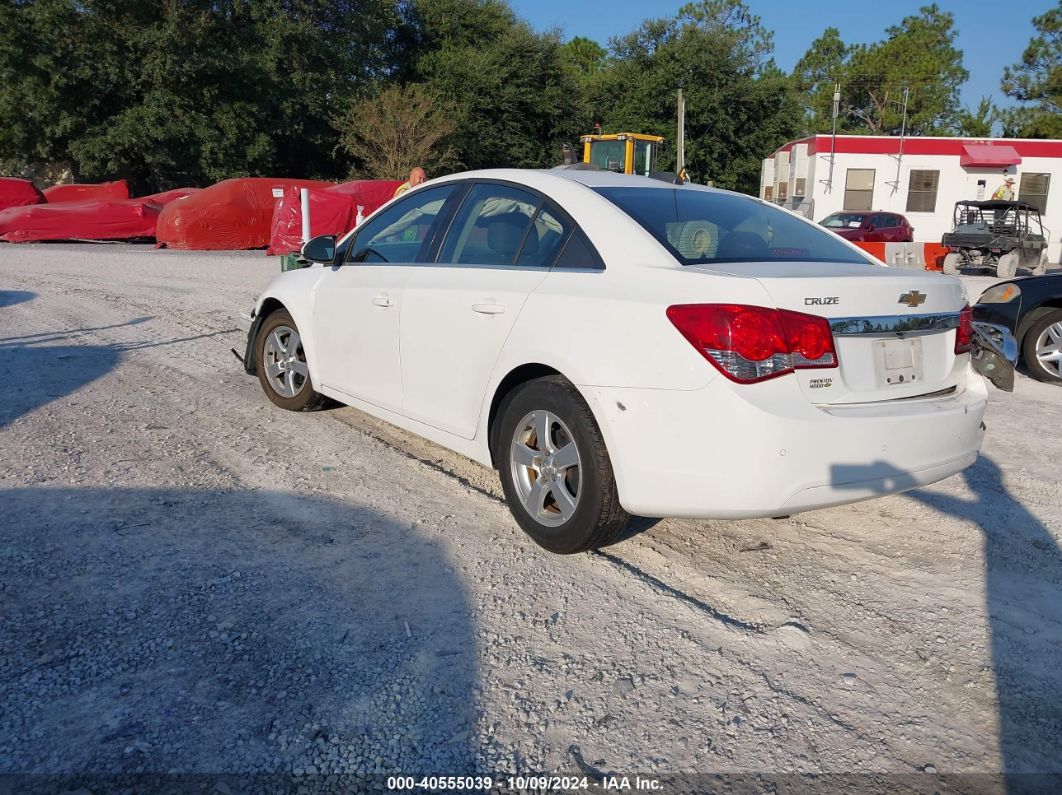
[[988, 156]]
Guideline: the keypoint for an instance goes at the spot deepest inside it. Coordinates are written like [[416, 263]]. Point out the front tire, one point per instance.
[[281, 362], [1007, 265], [555, 470], [951, 263], [1042, 348]]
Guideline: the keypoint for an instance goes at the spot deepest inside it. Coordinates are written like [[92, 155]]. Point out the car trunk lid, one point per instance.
[[894, 330]]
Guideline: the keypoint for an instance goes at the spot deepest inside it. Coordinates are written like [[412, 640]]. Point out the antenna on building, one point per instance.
[[903, 131], [833, 136]]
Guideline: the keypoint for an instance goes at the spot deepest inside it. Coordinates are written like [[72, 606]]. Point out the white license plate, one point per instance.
[[898, 362]]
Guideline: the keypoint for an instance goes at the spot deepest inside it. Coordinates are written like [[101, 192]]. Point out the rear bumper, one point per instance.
[[738, 452]]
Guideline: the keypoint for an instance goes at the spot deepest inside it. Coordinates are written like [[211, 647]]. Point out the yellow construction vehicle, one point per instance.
[[626, 153]]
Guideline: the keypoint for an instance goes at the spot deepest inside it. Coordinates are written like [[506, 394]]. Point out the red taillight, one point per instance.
[[754, 343], [964, 333]]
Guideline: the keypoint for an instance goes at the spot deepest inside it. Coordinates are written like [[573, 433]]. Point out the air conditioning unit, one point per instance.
[[783, 191]]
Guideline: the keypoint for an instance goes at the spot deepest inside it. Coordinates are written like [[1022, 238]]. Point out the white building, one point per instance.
[[921, 178]]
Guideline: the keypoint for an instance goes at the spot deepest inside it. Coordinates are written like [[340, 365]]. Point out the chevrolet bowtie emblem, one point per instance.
[[913, 298]]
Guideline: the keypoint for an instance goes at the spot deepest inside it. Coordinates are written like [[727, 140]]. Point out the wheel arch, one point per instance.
[[515, 378], [266, 307], [1033, 315]]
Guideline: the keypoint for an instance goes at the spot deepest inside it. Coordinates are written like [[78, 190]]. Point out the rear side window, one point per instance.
[[491, 226], [544, 239], [706, 226], [578, 252]]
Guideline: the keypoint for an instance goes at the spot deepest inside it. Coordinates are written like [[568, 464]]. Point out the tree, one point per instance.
[[513, 100], [400, 128], [918, 57], [1037, 81], [584, 56], [816, 76], [978, 124], [184, 91], [739, 106]]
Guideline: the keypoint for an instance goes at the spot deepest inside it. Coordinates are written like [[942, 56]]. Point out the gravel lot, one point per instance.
[[192, 581]]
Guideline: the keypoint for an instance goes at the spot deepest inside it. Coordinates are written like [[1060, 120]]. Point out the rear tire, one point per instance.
[[1007, 265], [281, 363], [555, 470], [1045, 336], [951, 264]]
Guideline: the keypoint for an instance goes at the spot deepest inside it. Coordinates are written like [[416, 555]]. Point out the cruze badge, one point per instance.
[[913, 298], [830, 299]]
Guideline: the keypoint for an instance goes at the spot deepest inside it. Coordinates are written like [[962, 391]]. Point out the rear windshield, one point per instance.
[[700, 226]]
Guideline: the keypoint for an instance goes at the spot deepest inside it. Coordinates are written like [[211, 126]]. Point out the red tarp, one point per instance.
[[18, 193], [107, 219], [234, 214], [79, 193], [333, 211], [988, 156]]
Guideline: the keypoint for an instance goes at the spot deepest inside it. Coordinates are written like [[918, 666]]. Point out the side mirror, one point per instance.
[[870, 227], [994, 355], [321, 249]]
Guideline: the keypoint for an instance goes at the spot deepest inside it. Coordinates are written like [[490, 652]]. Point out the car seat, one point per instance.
[[504, 235]]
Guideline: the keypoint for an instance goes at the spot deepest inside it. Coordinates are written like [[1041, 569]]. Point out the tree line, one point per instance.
[[179, 92]]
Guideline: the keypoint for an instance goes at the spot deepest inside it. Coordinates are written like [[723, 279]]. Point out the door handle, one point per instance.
[[384, 301], [488, 308]]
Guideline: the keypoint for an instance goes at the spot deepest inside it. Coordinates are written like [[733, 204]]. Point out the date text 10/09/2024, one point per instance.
[[523, 783]]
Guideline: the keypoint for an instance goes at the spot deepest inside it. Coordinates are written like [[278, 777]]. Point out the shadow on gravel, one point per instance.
[[1024, 600], [35, 375], [186, 632], [12, 297], [65, 335]]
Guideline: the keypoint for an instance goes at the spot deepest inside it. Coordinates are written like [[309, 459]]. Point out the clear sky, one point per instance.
[[992, 33]]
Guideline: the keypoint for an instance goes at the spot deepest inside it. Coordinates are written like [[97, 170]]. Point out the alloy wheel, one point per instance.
[[285, 361], [1049, 349], [546, 468]]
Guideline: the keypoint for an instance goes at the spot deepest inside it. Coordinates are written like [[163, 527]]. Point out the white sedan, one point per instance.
[[619, 345]]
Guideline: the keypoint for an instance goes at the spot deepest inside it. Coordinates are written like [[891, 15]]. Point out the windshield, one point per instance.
[[700, 226], [843, 221]]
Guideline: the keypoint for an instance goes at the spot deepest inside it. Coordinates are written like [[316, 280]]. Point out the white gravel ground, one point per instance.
[[192, 581]]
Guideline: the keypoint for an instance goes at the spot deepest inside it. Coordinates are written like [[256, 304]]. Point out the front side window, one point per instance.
[[492, 226], [401, 232], [705, 226], [859, 189]]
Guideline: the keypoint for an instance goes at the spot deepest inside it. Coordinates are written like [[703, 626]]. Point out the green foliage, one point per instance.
[[1037, 81], [584, 56], [400, 128], [739, 106], [919, 55], [978, 124], [514, 100], [178, 91]]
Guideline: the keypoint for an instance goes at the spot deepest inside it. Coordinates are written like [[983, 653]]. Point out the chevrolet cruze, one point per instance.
[[619, 345]]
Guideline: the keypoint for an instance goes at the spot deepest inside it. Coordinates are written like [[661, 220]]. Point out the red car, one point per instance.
[[870, 227]]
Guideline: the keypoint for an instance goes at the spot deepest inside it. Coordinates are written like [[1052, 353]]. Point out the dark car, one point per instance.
[[870, 227], [1030, 308], [996, 234]]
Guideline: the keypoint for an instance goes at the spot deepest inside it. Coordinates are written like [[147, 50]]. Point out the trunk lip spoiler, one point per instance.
[[891, 325]]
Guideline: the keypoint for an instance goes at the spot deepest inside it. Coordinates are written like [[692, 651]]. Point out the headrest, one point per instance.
[[504, 233]]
